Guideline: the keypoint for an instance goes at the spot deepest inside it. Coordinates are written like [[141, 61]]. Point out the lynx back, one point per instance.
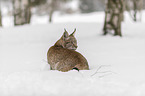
[[63, 57]]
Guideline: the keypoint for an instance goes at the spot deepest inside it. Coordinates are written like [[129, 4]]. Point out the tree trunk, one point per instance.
[[17, 12], [113, 16], [0, 19], [26, 13], [52, 8], [50, 15], [137, 7], [0, 15], [135, 10], [22, 12]]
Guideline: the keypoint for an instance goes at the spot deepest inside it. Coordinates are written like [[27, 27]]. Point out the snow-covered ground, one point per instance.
[[117, 64]]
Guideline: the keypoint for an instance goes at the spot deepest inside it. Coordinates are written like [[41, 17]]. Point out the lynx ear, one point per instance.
[[73, 32], [65, 34]]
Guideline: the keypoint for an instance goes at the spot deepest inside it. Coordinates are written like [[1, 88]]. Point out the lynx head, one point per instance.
[[67, 41]]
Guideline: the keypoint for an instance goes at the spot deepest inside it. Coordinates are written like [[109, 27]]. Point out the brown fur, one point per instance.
[[63, 57]]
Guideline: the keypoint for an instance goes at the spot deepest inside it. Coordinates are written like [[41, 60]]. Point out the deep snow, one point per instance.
[[24, 70]]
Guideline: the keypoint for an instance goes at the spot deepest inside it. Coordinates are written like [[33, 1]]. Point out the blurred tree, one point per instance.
[[47, 7], [143, 4], [37, 2], [0, 15], [54, 5], [22, 12], [113, 16], [134, 7], [87, 6]]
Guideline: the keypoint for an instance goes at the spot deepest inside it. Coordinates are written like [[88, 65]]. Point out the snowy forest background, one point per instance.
[[110, 34], [26, 10]]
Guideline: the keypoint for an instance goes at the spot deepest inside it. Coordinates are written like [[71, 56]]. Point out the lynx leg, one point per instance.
[[56, 65], [76, 69], [64, 67]]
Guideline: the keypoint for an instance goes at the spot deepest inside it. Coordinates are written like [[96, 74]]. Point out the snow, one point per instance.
[[116, 63]]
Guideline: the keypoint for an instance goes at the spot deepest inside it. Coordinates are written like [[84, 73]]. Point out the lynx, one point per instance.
[[63, 57]]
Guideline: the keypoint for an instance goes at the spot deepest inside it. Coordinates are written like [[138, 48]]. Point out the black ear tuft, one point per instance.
[[65, 34], [65, 30], [73, 32]]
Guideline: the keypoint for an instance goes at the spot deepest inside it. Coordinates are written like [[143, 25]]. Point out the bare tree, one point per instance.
[[26, 11], [0, 15], [87, 6], [113, 16], [49, 7], [52, 6], [134, 7], [22, 12]]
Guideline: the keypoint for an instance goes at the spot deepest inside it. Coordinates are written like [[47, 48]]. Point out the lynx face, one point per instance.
[[67, 41], [70, 43]]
